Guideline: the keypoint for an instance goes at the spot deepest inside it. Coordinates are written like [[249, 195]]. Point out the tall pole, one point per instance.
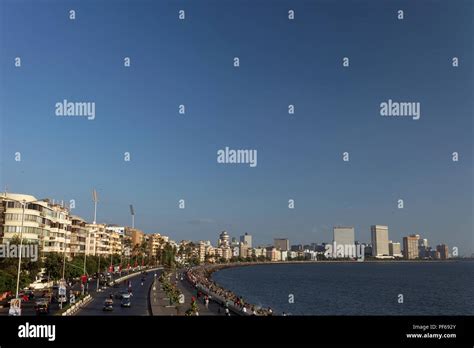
[[98, 274], [120, 267], [95, 212], [64, 256], [23, 205], [132, 212], [94, 198], [85, 256], [21, 247], [64, 267]]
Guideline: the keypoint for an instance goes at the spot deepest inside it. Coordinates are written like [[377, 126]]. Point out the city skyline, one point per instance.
[[173, 156], [280, 243]]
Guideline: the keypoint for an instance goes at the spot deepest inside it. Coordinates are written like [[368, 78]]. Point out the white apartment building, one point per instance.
[[44, 223]]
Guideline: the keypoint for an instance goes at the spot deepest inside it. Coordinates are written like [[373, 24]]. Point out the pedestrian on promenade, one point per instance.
[[207, 302]]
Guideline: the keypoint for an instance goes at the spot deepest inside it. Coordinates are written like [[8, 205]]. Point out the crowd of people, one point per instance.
[[200, 278]]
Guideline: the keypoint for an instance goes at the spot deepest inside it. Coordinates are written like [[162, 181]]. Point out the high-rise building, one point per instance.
[[273, 253], [102, 239], [297, 247], [443, 251], [202, 251], [282, 244], [423, 248], [155, 243], [343, 235], [223, 240], [243, 249], [379, 240], [226, 253], [394, 249], [136, 236], [246, 239], [410, 247], [78, 236], [45, 223], [115, 241]]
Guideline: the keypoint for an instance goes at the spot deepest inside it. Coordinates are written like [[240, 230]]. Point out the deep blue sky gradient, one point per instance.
[[282, 62]]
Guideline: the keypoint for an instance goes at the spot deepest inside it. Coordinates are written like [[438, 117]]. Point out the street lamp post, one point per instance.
[[21, 247], [98, 275], [85, 256]]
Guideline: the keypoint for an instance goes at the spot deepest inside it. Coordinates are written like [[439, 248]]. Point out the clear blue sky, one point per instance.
[[282, 62]]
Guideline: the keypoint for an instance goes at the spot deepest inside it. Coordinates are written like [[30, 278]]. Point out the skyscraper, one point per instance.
[[282, 244], [343, 235], [410, 246], [246, 239], [379, 240], [423, 247], [443, 251], [224, 240], [394, 249]]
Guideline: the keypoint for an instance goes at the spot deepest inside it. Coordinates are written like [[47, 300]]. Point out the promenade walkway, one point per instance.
[[160, 304]]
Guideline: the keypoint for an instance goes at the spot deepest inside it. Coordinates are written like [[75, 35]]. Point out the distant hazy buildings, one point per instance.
[[136, 236], [394, 249], [246, 239], [224, 240], [443, 251], [423, 248], [282, 244], [55, 229], [379, 235], [410, 247], [343, 235], [273, 254]]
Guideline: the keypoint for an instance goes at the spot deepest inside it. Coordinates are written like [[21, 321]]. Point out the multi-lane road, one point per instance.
[[139, 298]]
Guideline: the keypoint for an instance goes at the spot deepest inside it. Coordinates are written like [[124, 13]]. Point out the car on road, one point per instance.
[[126, 302], [122, 294], [108, 305], [42, 306]]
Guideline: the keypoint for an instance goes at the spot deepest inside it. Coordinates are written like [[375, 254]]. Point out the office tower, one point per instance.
[[410, 246], [423, 248], [246, 239], [282, 244], [443, 251], [394, 249], [379, 240], [343, 235]]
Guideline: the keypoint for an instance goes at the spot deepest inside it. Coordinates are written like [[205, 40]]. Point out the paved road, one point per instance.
[[139, 298], [28, 306]]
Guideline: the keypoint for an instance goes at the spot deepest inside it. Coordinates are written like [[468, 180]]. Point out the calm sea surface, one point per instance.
[[369, 288]]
